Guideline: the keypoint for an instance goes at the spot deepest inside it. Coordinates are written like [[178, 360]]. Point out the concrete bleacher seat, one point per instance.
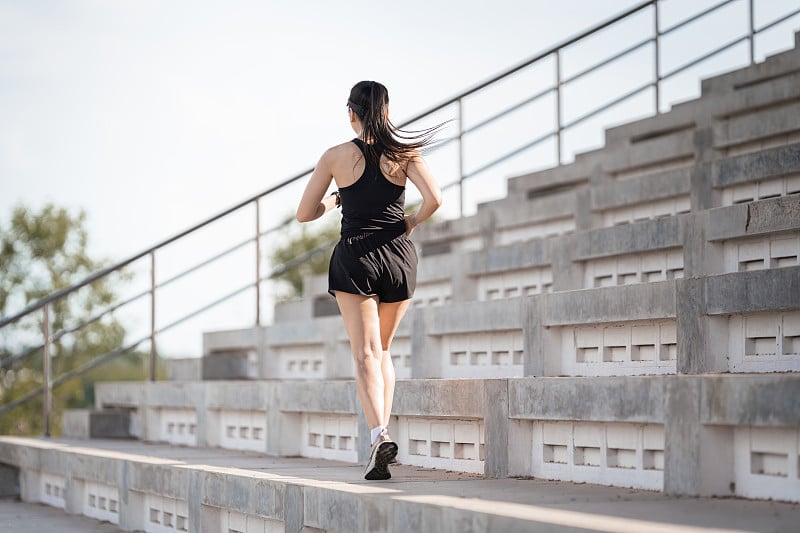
[[645, 432]]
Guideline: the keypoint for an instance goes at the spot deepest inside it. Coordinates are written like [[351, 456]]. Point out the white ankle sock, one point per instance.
[[375, 432]]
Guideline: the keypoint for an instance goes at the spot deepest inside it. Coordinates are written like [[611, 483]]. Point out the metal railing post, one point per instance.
[[751, 31], [657, 58], [47, 388], [460, 158], [152, 358], [558, 106], [258, 263]]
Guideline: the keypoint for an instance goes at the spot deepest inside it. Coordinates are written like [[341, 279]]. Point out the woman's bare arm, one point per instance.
[[421, 177], [314, 203]]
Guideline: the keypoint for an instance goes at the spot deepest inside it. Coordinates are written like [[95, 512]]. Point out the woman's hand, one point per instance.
[[411, 223]]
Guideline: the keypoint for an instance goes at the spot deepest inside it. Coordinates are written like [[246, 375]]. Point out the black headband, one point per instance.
[[358, 109]]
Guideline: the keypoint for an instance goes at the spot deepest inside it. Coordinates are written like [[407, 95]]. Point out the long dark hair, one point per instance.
[[369, 101]]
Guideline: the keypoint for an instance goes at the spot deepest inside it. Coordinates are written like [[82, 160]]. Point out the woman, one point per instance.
[[373, 267]]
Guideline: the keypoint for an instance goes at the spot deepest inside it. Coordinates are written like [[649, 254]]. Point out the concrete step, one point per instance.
[[206, 489], [642, 432]]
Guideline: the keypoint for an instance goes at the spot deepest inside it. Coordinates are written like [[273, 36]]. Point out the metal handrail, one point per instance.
[[458, 100]]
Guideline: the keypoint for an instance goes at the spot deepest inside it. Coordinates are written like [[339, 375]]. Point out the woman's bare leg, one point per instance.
[[360, 314], [389, 315]]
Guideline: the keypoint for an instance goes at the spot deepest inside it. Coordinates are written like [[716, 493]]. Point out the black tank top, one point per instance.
[[372, 203]]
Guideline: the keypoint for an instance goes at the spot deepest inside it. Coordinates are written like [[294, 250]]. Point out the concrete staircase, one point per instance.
[[631, 319]]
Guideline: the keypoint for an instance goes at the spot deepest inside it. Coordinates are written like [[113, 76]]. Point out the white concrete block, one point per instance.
[[494, 354], [623, 348], [627, 269], [515, 283], [784, 251], [619, 454], [233, 522], [451, 444], [177, 426], [242, 430], [305, 361], [764, 342], [766, 463], [329, 436], [165, 515], [100, 501], [52, 490]]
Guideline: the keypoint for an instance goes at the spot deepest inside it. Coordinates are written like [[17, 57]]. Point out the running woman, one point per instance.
[[373, 268]]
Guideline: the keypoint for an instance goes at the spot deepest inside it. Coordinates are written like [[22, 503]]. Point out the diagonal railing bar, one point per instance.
[[205, 308], [509, 155], [508, 110], [778, 21], [204, 263], [697, 16], [608, 105], [702, 58], [608, 60]]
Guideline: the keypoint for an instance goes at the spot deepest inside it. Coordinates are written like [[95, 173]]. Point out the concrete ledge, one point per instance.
[[474, 316], [617, 399], [770, 163], [644, 189], [445, 397], [757, 125], [243, 395], [512, 256], [751, 400], [755, 218], [318, 397], [609, 304], [750, 292], [629, 238]]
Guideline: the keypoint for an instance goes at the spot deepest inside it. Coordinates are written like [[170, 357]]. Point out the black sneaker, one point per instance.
[[383, 453]]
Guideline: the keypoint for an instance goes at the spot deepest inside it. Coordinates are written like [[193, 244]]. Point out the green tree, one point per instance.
[[300, 239], [42, 252]]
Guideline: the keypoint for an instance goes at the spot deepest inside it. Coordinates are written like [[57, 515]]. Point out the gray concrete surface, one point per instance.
[[16, 516], [416, 499]]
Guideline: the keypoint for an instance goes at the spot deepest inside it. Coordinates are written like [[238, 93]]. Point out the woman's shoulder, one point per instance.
[[348, 146], [345, 149]]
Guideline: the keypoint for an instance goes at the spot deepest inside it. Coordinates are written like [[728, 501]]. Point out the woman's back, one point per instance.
[[371, 201]]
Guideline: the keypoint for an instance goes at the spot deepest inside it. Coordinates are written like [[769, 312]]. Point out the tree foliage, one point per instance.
[[42, 252]]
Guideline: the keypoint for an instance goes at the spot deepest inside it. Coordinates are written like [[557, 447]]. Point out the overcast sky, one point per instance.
[[152, 115]]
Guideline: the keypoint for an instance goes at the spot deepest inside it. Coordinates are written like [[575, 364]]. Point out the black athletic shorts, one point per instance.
[[381, 264]]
